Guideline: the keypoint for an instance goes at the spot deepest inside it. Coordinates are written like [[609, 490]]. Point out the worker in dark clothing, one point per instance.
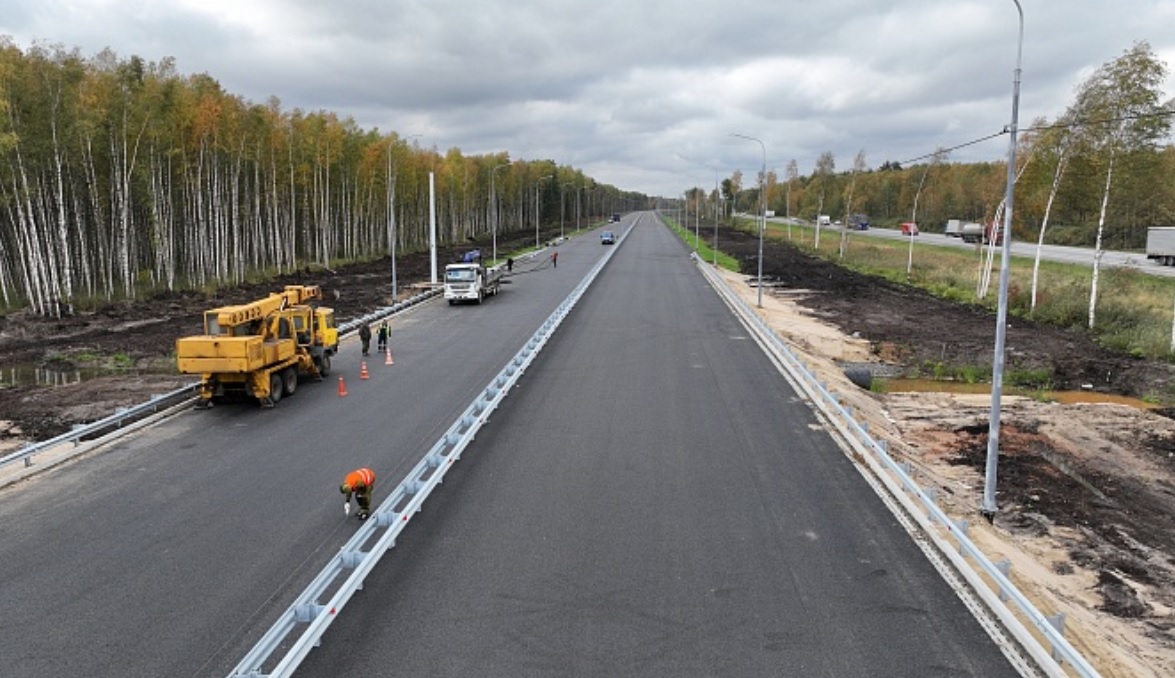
[[509, 264], [365, 337], [381, 342], [555, 259], [360, 483]]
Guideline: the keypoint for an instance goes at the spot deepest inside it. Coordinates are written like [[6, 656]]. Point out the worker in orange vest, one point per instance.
[[360, 483]]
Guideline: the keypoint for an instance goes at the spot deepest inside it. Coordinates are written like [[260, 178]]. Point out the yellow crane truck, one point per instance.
[[259, 349]]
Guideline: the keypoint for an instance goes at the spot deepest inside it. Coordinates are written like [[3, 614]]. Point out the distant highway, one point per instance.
[[1059, 253]]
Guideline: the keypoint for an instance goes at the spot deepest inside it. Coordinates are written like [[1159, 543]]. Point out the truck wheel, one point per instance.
[[479, 296], [275, 388], [289, 381], [324, 366]]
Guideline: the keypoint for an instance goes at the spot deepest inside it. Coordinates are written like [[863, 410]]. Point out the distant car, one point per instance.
[[607, 238], [615, 217], [909, 228], [859, 222]]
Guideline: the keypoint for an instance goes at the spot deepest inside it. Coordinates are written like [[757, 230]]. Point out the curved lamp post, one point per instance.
[[762, 210], [997, 373]]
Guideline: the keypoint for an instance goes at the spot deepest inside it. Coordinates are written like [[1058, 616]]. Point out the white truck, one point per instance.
[[1160, 245], [470, 281], [972, 232], [823, 220]]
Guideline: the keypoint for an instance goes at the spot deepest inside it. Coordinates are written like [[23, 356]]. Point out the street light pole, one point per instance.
[[537, 211], [717, 200], [392, 220], [578, 207], [697, 212], [762, 210], [997, 375], [494, 205], [392, 213]]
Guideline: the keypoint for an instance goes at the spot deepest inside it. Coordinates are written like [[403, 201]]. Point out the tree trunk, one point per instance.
[[1044, 223], [1097, 246]]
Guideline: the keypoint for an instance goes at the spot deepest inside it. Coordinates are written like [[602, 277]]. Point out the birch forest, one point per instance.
[[121, 178], [1103, 170]]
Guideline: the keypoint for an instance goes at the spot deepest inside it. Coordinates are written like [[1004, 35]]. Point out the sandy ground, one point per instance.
[[1051, 563]]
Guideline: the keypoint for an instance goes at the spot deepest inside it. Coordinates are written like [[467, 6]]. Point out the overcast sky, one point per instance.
[[643, 95]]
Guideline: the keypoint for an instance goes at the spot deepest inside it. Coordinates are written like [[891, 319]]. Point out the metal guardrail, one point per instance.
[[125, 415], [316, 608], [964, 554], [116, 420], [395, 308]]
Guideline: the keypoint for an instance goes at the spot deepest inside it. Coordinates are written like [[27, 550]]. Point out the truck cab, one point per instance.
[[470, 281]]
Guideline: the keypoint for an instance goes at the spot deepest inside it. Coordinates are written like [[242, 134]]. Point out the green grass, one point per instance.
[[1134, 310], [706, 252]]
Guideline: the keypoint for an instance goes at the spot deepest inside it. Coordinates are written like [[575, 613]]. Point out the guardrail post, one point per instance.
[[931, 494], [351, 559], [1057, 621], [306, 613], [962, 526], [1005, 568]]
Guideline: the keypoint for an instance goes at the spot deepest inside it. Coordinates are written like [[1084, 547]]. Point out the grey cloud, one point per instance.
[[642, 94]]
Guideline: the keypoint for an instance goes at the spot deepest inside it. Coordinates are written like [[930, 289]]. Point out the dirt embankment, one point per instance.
[[1086, 492]]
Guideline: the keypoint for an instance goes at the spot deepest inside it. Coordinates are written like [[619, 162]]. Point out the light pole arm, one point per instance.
[[762, 209]]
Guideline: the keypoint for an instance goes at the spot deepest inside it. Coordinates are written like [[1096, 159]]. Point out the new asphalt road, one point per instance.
[[653, 499]]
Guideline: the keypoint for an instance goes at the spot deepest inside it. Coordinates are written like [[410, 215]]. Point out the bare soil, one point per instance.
[[1086, 491]]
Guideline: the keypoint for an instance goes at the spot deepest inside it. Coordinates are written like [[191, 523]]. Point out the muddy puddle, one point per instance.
[[1064, 397]]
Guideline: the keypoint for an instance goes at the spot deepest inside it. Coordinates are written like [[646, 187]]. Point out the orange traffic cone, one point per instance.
[[342, 388], [363, 370], [388, 360]]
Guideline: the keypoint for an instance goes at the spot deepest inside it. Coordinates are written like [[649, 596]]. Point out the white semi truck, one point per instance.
[[470, 281], [1160, 244]]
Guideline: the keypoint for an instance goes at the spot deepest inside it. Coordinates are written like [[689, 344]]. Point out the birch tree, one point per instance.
[[938, 157], [792, 172], [825, 166], [858, 167], [1116, 109], [1055, 142]]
